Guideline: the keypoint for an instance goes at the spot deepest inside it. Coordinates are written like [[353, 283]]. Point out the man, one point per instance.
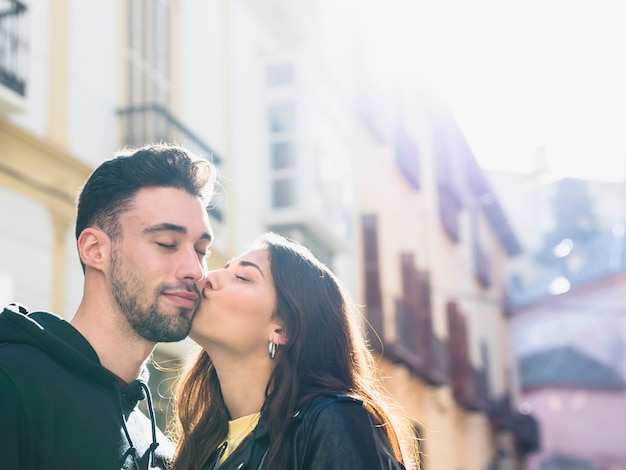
[[69, 391]]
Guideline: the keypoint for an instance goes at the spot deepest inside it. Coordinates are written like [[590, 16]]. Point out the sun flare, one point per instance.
[[518, 76]]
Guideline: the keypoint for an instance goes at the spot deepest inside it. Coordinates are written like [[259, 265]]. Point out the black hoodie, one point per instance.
[[60, 409]]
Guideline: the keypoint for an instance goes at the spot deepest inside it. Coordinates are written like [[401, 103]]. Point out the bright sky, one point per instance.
[[519, 75]]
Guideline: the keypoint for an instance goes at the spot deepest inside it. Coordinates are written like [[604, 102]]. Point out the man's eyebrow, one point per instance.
[[248, 263], [167, 227]]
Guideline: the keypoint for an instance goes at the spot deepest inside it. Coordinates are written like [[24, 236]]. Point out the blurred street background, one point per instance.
[[461, 166]]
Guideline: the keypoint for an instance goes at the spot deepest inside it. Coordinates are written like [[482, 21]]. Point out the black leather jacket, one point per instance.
[[332, 432]]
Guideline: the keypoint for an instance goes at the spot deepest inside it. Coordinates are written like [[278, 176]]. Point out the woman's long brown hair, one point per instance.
[[325, 352]]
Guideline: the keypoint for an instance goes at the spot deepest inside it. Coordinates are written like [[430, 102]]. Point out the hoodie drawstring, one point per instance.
[[132, 451], [154, 444]]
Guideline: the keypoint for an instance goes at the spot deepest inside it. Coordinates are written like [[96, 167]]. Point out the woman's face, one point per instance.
[[236, 311]]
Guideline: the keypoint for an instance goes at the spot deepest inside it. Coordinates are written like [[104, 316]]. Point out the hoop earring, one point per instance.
[[272, 349]]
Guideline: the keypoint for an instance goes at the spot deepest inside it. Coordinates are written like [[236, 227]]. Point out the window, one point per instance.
[[282, 124], [282, 117], [468, 383], [482, 266], [412, 329], [148, 69], [283, 194], [148, 52], [282, 155], [481, 260], [407, 158], [450, 182], [280, 75], [449, 208], [419, 347], [459, 350], [439, 370], [373, 294]]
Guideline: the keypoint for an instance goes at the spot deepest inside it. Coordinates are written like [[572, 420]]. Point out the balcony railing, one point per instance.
[[469, 387], [500, 413], [527, 433], [524, 427], [408, 348], [147, 123], [152, 123], [13, 45]]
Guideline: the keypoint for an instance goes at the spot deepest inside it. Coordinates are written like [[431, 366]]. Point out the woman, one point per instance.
[[284, 379]]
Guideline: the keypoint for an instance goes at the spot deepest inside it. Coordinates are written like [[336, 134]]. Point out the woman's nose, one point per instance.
[[211, 280]]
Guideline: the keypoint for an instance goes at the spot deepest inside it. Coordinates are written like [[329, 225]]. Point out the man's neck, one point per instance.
[[121, 351]]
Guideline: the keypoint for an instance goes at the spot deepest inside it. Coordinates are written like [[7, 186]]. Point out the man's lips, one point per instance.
[[183, 298]]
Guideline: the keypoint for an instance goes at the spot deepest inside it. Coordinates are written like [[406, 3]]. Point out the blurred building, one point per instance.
[[380, 184], [545, 210], [434, 242], [568, 316], [580, 403], [571, 345]]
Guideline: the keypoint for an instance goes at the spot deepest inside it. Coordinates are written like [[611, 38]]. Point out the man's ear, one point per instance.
[[94, 247]]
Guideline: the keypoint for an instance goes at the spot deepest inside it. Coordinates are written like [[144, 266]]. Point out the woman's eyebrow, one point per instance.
[[245, 263]]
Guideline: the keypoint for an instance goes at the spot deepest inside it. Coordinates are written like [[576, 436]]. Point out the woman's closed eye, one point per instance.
[[241, 278]]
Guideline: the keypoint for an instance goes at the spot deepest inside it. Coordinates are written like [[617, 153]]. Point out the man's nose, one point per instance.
[[192, 267]]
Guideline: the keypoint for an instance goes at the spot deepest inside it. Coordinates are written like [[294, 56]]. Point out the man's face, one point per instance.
[[158, 260]]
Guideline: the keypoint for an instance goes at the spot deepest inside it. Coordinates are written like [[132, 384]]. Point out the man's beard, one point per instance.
[[149, 322]]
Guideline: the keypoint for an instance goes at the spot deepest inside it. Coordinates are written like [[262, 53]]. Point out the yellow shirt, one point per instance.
[[238, 430]]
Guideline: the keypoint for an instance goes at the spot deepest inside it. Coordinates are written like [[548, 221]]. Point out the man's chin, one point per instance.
[[180, 332], [172, 339], [173, 336], [177, 329]]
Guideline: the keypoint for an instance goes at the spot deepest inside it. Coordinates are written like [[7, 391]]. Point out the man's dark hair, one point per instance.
[[111, 188]]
